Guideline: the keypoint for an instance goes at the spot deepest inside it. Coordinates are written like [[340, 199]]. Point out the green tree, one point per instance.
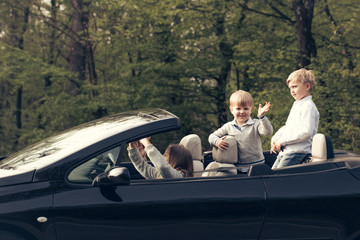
[[337, 69], [184, 56]]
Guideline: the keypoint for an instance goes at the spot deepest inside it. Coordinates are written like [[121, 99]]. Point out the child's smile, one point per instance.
[[241, 113]]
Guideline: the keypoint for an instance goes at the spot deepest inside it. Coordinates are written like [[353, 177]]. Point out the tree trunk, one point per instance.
[[18, 108], [92, 70], [17, 39], [303, 10], [52, 32], [346, 51], [81, 46], [222, 80], [77, 58]]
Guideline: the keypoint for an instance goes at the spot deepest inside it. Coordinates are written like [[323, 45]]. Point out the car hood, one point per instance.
[[9, 177]]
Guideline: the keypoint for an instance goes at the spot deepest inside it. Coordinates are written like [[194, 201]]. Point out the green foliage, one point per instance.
[[19, 70], [183, 56]]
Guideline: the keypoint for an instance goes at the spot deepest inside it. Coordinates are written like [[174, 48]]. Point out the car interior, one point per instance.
[[218, 163]]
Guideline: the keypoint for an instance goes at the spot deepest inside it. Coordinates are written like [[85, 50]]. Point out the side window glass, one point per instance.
[[86, 172]]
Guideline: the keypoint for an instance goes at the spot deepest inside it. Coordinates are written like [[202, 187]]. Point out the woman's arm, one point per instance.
[[164, 168], [146, 170]]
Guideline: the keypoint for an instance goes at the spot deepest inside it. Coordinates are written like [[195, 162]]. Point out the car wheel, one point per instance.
[[5, 235]]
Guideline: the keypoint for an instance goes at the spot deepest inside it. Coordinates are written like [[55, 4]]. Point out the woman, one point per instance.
[[175, 163]]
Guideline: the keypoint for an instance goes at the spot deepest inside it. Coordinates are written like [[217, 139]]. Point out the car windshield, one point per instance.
[[60, 146]]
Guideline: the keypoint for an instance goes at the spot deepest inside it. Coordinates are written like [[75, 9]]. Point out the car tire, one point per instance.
[[6, 235]]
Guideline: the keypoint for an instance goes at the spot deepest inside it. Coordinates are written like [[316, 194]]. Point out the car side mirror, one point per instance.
[[114, 177]]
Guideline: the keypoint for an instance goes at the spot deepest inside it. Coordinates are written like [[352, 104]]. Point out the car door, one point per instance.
[[193, 208], [26, 210], [312, 205]]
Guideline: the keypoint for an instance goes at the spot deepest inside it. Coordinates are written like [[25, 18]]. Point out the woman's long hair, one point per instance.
[[180, 158]]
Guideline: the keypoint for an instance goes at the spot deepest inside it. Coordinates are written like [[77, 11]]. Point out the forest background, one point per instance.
[[65, 62]]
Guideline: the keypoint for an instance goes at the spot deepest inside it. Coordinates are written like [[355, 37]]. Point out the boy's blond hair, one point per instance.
[[241, 98], [302, 75]]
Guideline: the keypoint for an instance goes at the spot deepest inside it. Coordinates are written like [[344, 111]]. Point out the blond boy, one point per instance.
[[246, 130], [293, 140]]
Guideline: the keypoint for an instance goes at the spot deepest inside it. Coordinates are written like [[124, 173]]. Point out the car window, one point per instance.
[[87, 171]]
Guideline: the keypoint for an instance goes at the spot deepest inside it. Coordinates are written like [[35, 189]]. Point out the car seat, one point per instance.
[[223, 160], [193, 143], [321, 148]]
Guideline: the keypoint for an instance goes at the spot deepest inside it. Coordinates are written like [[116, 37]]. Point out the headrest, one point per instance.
[[318, 147], [229, 155], [321, 148], [193, 143]]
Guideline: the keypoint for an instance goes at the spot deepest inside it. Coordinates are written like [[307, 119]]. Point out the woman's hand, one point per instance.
[[139, 146], [145, 141], [132, 145]]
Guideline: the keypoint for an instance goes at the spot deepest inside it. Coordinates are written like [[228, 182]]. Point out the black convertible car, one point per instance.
[[80, 185]]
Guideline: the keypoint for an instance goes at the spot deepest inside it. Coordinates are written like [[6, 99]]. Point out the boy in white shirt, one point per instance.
[[292, 142], [246, 130]]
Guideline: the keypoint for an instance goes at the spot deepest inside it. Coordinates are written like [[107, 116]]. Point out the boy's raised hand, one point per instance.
[[222, 144], [262, 110]]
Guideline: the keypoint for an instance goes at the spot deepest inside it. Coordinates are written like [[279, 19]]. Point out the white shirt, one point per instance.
[[300, 127]]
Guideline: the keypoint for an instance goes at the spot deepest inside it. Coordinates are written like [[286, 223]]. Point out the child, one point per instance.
[[293, 140], [246, 130], [176, 162]]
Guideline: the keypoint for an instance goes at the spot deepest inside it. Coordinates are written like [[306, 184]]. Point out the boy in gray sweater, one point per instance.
[[246, 130]]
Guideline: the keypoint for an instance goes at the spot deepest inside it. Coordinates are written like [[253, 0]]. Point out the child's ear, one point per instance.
[[230, 108], [252, 108], [308, 86]]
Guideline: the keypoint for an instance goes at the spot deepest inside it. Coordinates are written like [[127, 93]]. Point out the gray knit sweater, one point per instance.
[[161, 169], [247, 137]]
